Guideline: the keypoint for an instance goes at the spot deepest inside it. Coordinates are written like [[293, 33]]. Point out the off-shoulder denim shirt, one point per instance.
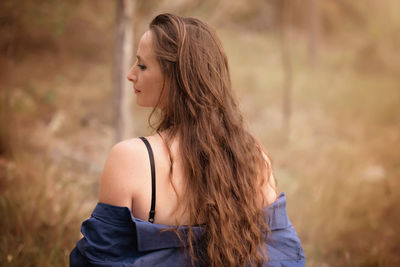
[[113, 237]]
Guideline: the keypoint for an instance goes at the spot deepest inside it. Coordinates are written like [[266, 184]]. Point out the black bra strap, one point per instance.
[[152, 212]]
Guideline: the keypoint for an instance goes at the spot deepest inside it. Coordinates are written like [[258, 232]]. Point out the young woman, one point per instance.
[[200, 192]]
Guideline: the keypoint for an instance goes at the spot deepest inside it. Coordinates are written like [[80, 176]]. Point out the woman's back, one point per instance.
[[170, 207], [118, 235]]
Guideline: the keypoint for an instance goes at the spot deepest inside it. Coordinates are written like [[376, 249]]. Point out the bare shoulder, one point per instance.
[[122, 172], [270, 187]]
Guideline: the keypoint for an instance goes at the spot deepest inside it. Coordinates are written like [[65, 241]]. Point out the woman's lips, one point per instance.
[[136, 91]]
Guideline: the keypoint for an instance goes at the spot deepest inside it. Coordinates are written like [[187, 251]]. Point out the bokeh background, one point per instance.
[[318, 83]]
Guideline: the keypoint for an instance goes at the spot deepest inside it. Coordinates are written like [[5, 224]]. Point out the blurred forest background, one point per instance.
[[318, 83]]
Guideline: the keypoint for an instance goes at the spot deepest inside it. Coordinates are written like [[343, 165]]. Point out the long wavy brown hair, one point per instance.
[[223, 164]]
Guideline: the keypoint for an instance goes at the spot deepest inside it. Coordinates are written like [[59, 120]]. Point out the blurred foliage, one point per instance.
[[32, 24], [339, 169]]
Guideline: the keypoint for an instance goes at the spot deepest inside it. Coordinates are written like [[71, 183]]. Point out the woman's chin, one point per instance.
[[143, 104]]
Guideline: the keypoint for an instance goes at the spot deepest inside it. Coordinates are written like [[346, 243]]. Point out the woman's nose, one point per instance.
[[131, 75]]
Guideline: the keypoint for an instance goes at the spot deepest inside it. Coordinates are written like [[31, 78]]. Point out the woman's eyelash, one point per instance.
[[142, 67]]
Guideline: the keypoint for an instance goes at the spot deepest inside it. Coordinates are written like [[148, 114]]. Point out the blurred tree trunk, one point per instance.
[[314, 31], [285, 10], [122, 62]]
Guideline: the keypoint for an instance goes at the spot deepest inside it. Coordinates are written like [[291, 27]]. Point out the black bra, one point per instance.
[[152, 212]]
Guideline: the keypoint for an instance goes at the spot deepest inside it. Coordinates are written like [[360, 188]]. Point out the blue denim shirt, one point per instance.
[[114, 238]]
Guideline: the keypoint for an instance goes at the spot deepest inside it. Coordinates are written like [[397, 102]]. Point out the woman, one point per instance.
[[200, 192]]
